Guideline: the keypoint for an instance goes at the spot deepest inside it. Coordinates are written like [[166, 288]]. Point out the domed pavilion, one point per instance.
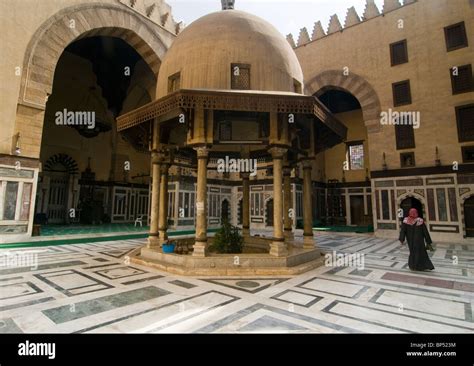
[[230, 89]]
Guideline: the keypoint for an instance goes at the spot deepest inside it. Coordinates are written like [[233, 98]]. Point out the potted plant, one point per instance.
[[168, 247], [227, 240]]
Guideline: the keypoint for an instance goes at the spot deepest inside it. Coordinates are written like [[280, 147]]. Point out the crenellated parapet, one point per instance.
[[303, 37], [371, 10], [158, 11], [334, 24], [318, 31], [352, 19]]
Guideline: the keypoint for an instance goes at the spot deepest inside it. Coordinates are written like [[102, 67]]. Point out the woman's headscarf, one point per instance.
[[413, 218]]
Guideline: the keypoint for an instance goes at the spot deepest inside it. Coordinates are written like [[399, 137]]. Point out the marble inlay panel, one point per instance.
[[91, 307]]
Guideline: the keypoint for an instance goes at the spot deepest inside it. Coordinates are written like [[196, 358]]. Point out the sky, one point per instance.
[[288, 16]]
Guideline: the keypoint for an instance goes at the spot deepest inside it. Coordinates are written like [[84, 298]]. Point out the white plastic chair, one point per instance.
[[139, 220]]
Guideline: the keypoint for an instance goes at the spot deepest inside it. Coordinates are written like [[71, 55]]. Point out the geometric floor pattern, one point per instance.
[[92, 288]]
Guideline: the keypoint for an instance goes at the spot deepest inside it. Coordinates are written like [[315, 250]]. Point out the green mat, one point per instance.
[[346, 229], [93, 239]]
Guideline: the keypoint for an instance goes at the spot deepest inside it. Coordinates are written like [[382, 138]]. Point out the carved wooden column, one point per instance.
[[153, 240], [308, 239], [163, 217], [245, 204], [278, 247], [200, 246], [288, 210]]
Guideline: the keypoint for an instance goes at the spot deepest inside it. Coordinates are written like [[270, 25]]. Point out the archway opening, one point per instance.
[[409, 203], [241, 212], [269, 213], [338, 101], [96, 79], [225, 211], [347, 164], [469, 216]]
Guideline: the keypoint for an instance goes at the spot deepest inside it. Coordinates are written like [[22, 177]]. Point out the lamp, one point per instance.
[[227, 4], [17, 144], [437, 160]]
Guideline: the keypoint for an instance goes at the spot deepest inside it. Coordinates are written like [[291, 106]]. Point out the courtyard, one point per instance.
[[93, 288]]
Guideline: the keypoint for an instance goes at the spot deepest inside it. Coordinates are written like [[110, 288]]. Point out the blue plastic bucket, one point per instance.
[[168, 248]]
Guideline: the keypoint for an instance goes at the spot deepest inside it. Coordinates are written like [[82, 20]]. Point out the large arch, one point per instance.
[[463, 200], [417, 196], [95, 19], [357, 86]]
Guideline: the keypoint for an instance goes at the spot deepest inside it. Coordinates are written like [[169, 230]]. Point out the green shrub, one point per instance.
[[227, 240]]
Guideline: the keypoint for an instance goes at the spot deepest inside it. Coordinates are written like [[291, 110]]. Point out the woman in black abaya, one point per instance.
[[416, 234]]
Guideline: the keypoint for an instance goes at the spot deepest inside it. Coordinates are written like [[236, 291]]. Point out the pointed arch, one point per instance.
[[355, 85], [81, 21]]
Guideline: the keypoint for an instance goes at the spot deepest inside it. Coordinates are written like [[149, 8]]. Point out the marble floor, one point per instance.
[[92, 288]]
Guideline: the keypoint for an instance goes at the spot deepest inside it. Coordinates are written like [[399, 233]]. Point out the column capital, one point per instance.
[[277, 152], [245, 175], [164, 167], [307, 163], [156, 157], [202, 152], [287, 171]]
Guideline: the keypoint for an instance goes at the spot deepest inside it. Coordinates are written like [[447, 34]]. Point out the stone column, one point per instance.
[[200, 246], [163, 215], [245, 204], [287, 203], [278, 247], [308, 240], [153, 240]]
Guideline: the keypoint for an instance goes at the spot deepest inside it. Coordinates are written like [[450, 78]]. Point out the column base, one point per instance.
[[153, 242], [278, 249], [308, 242], [163, 236], [246, 232], [288, 234], [200, 249]]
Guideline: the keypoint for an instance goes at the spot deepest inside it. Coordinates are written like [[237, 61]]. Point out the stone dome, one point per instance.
[[204, 51]]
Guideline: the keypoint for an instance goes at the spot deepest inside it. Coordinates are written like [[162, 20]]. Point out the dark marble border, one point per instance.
[[66, 291], [308, 305]]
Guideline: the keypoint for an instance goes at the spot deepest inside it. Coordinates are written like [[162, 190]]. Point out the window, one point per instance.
[[401, 93], [240, 76], [214, 207], [256, 204], [171, 196], [225, 131], [465, 122], [399, 53], [456, 37], [442, 209], [461, 79], [355, 151], [385, 206], [10, 200], [468, 154], [174, 82], [299, 204], [297, 86], [186, 204], [405, 136], [407, 160]]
